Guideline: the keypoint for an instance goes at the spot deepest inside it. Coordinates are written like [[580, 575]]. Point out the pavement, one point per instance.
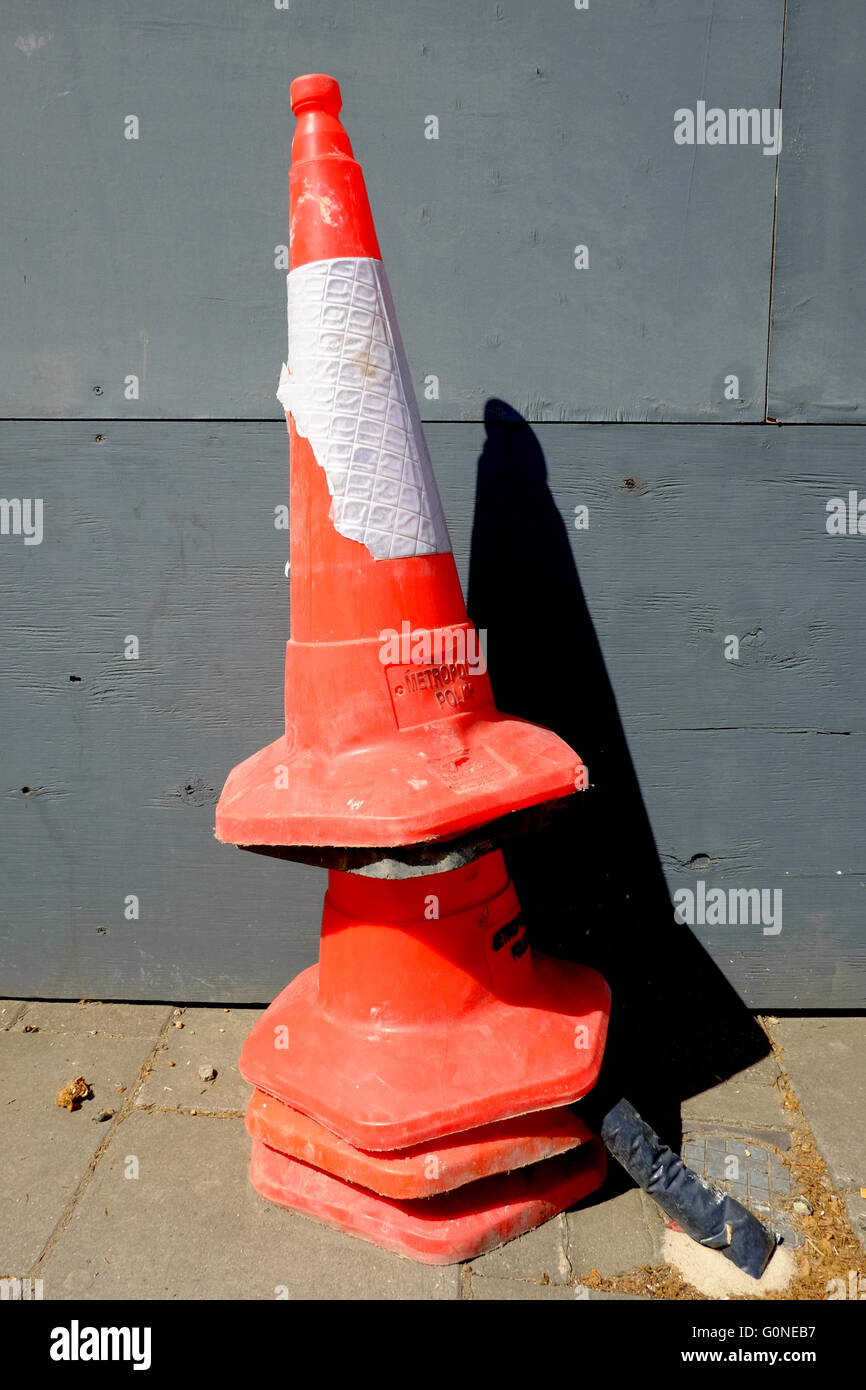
[[143, 1191]]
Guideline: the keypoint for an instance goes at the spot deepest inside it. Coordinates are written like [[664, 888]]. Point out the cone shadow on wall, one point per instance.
[[592, 885]]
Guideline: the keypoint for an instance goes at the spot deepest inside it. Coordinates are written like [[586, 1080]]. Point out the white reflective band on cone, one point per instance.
[[348, 388]]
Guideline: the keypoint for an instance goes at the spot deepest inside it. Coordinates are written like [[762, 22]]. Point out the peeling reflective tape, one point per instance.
[[348, 388]]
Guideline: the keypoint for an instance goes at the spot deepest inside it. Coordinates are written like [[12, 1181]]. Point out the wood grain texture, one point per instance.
[[750, 772], [155, 257], [819, 288]]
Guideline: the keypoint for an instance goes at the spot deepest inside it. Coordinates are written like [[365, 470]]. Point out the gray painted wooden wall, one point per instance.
[[144, 313]]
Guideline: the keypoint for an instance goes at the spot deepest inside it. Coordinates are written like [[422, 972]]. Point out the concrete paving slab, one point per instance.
[[10, 1009], [696, 1131], [614, 1236], [45, 1150], [486, 1289], [749, 1098], [208, 1038], [191, 1226], [538, 1255], [114, 1020], [824, 1058]]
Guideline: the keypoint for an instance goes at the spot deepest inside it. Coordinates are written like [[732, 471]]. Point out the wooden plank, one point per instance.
[[819, 291], [774, 817], [166, 532], [154, 257], [694, 536]]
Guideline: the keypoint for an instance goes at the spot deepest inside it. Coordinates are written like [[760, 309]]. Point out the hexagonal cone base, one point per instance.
[[441, 1230], [418, 787], [425, 1169], [384, 1089]]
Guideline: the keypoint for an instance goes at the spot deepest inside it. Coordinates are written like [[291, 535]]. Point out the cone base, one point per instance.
[[428, 856], [423, 785], [445, 1229], [422, 1170], [381, 1089]]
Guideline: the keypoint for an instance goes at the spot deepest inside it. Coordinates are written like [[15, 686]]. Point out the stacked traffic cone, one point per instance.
[[413, 1087]]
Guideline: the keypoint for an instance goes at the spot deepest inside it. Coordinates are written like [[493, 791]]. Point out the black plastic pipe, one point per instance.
[[704, 1212]]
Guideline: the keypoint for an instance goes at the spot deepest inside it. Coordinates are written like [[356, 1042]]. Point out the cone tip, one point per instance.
[[316, 90]]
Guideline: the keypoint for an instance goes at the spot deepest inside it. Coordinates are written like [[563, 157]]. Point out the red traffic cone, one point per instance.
[[392, 737], [421, 1170], [445, 1229], [428, 1013], [410, 1088]]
